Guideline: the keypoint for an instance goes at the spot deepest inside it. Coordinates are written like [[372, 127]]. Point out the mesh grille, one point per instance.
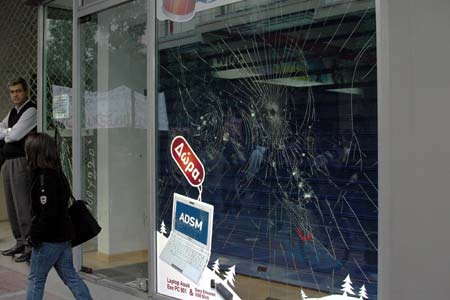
[[18, 49]]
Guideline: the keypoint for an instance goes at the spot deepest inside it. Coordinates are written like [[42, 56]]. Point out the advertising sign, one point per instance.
[[348, 292], [183, 267], [184, 10], [184, 256], [188, 162]]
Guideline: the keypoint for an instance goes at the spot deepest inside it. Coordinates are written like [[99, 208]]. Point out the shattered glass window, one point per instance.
[[279, 101]]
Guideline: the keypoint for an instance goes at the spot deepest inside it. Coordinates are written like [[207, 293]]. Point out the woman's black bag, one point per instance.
[[85, 226]]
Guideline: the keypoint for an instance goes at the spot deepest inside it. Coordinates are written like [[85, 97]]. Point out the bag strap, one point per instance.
[[58, 138], [71, 196], [41, 181]]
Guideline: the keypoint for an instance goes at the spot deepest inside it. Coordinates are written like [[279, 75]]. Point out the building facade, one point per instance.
[[243, 149]]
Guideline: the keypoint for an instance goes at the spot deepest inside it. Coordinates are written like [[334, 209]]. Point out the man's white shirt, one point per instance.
[[24, 125]]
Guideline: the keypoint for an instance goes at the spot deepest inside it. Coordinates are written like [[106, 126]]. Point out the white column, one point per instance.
[[103, 165]]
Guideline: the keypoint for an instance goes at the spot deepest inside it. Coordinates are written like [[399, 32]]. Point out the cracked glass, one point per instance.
[[278, 99]]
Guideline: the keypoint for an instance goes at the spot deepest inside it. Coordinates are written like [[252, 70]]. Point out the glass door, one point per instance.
[[113, 124], [57, 78]]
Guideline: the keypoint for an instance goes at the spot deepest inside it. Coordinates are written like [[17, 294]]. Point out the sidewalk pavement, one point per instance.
[[13, 279], [13, 286]]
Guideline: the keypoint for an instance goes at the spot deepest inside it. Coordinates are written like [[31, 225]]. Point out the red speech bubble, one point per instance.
[[188, 162]]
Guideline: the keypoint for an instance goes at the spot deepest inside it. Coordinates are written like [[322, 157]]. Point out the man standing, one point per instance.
[[19, 122]]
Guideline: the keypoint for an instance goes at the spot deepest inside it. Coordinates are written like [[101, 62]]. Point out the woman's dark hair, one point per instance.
[[41, 152]]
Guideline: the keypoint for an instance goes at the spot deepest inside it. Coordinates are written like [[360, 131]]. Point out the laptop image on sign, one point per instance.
[[189, 245]]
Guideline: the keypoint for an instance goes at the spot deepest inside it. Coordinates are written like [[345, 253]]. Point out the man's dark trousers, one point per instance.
[[16, 182]]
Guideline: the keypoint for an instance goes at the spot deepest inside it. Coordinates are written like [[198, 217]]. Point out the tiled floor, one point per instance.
[[98, 261]]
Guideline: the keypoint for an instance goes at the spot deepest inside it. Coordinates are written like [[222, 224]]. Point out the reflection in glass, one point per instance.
[[278, 99], [57, 85]]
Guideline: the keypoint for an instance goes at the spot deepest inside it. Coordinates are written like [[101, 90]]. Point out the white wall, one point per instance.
[[414, 149]]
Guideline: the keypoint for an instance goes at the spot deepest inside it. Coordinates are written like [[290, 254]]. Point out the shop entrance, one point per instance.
[[112, 128], [113, 108]]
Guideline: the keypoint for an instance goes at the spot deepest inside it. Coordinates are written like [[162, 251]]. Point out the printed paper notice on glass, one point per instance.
[[61, 106]]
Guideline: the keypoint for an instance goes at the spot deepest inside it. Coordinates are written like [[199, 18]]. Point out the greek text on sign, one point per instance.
[[187, 161]]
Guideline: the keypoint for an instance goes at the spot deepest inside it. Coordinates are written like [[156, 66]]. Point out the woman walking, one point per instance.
[[50, 234]]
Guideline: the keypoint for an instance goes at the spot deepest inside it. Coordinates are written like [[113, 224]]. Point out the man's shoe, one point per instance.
[[25, 257], [14, 250]]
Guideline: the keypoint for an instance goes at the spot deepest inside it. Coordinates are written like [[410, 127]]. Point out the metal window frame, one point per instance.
[[40, 67], [152, 144], [79, 12], [152, 147], [76, 132], [97, 6]]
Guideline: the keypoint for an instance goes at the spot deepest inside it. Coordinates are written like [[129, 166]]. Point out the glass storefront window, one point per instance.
[[278, 99], [113, 56]]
